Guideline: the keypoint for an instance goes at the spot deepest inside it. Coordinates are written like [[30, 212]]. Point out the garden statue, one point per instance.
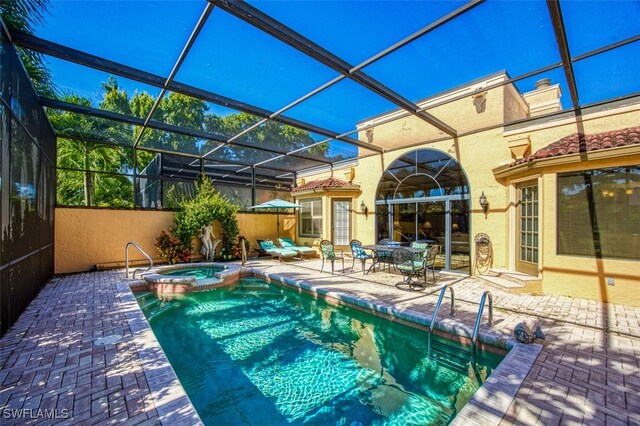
[[208, 248]]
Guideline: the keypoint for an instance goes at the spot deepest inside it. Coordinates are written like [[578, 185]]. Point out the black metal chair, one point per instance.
[[405, 262], [357, 252], [385, 257], [329, 253], [429, 262]]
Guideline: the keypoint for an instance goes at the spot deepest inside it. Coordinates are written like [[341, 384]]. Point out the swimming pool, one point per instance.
[[254, 353]]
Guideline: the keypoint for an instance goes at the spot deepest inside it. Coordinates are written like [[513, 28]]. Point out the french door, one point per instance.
[[527, 221], [341, 224]]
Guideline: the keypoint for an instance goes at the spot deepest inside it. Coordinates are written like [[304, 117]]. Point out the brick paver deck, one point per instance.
[[587, 373]]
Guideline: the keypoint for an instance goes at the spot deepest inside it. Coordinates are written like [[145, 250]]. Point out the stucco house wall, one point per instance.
[[479, 153]]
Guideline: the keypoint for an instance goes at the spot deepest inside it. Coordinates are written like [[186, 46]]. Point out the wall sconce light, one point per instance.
[[364, 209], [483, 202]]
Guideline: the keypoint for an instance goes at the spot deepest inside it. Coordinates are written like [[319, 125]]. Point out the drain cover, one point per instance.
[[108, 340]]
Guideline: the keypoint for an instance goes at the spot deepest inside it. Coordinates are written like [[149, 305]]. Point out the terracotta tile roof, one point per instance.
[[322, 183], [594, 142]]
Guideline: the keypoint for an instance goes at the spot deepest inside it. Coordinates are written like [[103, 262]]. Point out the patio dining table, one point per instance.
[[384, 247]]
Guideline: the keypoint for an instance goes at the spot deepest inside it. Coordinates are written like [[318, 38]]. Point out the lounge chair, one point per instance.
[[287, 243], [270, 248], [259, 250]]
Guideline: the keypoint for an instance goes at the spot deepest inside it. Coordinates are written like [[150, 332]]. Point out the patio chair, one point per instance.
[[385, 257], [329, 253], [429, 261], [357, 252], [409, 267], [270, 248], [287, 243], [419, 245]]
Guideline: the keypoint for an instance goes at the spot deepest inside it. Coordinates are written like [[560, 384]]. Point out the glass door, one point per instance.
[[527, 223], [443, 222], [432, 227], [404, 222], [459, 241], [382, 222], [341, 224]]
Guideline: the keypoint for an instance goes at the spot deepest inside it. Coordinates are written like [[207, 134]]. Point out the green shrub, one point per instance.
[[207, 206], [172, 249]]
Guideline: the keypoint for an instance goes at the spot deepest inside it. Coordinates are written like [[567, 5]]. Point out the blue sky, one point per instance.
[[234, 59]]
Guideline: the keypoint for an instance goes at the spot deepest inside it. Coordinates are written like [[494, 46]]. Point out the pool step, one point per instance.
[[149, 304], [512, 281], [161, 308], [451, 356]]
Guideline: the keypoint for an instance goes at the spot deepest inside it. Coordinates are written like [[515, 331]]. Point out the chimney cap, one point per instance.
[[542, 83]]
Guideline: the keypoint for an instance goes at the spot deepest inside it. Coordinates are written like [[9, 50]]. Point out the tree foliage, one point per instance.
[[207, 206], [24, 15], [89, 143]]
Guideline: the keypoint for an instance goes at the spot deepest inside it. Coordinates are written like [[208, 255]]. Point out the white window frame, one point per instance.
[[308, 207]]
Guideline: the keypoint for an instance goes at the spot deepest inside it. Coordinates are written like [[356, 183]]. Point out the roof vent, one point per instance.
[[542, 83]]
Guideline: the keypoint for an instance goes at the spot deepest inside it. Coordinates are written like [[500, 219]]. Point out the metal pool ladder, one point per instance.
[[435, 312], [453, 305], [474, 338], [126, 259]]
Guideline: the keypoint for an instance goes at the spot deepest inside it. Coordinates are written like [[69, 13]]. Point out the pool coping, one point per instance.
[[169, 397], [229, 272], [488, 406]]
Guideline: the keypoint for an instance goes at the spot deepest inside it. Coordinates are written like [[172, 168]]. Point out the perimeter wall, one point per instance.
[[86, 237]]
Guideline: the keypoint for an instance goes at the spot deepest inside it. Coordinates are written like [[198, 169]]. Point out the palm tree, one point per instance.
[[24, 15], [87, 144]]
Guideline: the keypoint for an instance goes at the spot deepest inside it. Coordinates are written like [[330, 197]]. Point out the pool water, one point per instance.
[[259, 354], [199, 273]]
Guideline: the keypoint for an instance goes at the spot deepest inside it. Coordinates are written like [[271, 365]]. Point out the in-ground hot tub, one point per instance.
[[185, 278]]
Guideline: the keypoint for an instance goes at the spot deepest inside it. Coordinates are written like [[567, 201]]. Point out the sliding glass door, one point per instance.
[[423, 196]]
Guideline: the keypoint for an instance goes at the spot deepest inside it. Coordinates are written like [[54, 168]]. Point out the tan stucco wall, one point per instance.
[[481, 152], [327, 198], [86, 237], [580, 276]]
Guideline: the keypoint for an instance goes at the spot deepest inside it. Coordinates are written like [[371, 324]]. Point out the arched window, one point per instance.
[[422, 173], [424, 196]]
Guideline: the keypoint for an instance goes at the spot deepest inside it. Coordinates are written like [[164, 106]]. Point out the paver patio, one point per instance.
[[587, 373]]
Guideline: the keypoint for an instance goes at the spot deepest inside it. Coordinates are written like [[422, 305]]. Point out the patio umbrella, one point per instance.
[[278, 205]]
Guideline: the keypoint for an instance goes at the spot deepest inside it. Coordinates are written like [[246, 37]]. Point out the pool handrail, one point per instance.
[[126, 259], [453, 305], [476, 328], [244, 253]]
